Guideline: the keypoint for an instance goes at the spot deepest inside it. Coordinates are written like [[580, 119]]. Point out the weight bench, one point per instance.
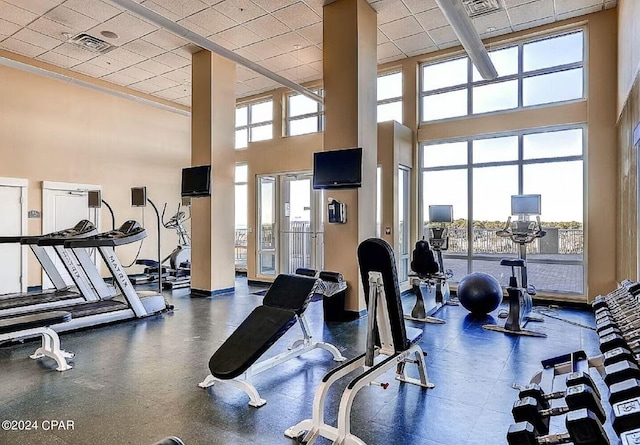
[[284, 304], [386, 336], [15, 328]]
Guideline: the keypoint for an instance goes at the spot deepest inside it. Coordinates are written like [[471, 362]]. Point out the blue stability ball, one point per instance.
[[479, 293]]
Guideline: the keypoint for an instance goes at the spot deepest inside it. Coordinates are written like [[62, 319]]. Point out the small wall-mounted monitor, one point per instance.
[[95, 199], [138, 196], [441, 213], [196, 181], [337, 169], [526, 205]]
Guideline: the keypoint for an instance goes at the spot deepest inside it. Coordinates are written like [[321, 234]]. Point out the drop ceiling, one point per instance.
[[284, 36]]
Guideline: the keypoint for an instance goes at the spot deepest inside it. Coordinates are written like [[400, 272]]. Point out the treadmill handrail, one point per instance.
[[101, 240]]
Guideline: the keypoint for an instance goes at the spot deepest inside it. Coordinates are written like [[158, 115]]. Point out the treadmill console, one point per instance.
[[130, 227], [82, 228]]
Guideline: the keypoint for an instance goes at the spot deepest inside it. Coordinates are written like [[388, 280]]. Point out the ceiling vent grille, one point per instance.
[[91, 43], [475, 8]]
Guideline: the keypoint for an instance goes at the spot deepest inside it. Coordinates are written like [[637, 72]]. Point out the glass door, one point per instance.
[[300, 239], [267, 228]]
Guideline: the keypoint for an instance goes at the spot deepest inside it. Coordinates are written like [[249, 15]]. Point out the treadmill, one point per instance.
[[129, 303], [62, 294]]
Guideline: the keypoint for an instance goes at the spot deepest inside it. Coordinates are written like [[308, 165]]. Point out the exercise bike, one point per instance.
[[522, 232], [430, 283], [176, 267]]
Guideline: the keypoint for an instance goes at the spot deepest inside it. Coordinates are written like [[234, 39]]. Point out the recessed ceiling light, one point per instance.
[[67, 35], [491, 29], [109, 34]]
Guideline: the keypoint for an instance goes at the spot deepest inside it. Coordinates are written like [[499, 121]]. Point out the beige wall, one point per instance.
[[628, 48], [628, 120], [55, 131]]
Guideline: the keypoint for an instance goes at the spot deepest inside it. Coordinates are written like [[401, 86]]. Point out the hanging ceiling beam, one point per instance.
[[207, 44]]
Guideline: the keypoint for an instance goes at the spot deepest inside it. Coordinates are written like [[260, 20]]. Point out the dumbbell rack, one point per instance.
[[618, 326], [617, 316]]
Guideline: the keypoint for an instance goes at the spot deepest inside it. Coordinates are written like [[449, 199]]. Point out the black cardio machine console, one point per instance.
[[129, 232]]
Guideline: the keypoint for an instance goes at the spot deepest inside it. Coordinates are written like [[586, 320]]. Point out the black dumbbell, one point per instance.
[[615, 340], [625, 390], [621, 371], [577, 397], [630, 437], [583, 428], [626, 415], [575, 378], [618, 354]]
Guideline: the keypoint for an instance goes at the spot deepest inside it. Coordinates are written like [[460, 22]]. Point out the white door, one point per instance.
[[12, 223], [63, 206]]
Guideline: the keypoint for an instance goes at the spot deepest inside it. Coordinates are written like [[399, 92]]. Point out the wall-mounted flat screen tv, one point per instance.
[[196, 181], [441, 213], [337, 169]]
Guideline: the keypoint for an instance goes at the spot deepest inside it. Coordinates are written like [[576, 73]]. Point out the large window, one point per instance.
[[241, 176], [304, 115], [390, 97], [544, 71], [254, 122], [478, 176]]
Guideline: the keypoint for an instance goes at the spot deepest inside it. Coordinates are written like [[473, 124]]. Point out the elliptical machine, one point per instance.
[[430, 282], [522, 231]]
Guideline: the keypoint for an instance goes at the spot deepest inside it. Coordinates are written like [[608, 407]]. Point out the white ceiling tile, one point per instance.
[[13, 14], [312, 33], [37, 39], [268, 26], [442, 35], [143, 48], [308, 54], [610, 4], [243, 74], [126, 56], [432, 19], [300, 74], [531, 12], [239, 36], [53, 29], [264, 49], [390, 10], [416, 42], [419, 52], [532, 24], [96, 9], [127, 26], [289, 41], [182, 8], [388, 49], [512, 3], [497, 20], [177, 76], [186, 70], [58, 59], [172, 60], [244, 52], [212, 21], [261, 83], [90, 69], [381, 38], [145, 86], [174, 92], [75, 52], [194, 28], [160, 10], [391, 59], [242, 89], [165, 39], [297, 16], [579, 12], [109, 64], [417, 6], [564, 6], [317, 66], [69, 17], [7, 28], [272, 5], [135, 73], [215, 38], [401, 28], [119, 78], [316, 5], [18, 46], [36, 6], [184, 100], [495, 32], [187, 50], [164, 82], [154, 67], [281, 62], [240, 10]]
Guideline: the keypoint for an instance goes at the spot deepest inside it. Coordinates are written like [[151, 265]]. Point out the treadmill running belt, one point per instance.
[[28, 300], [94, 308]]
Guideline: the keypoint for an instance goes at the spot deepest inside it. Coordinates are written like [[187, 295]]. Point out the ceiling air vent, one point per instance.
[[475, 8], [91, 43]]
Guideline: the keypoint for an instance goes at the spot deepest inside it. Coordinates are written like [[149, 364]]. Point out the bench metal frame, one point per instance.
[[50, 345]]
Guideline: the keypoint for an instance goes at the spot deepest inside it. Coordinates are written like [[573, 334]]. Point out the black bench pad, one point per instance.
[[515, 262], [24, 322], [292, 292], [257, 333]]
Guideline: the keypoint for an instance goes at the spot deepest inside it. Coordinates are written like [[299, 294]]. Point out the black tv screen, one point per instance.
[[196, 181], [441, 213], [337, 169]]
